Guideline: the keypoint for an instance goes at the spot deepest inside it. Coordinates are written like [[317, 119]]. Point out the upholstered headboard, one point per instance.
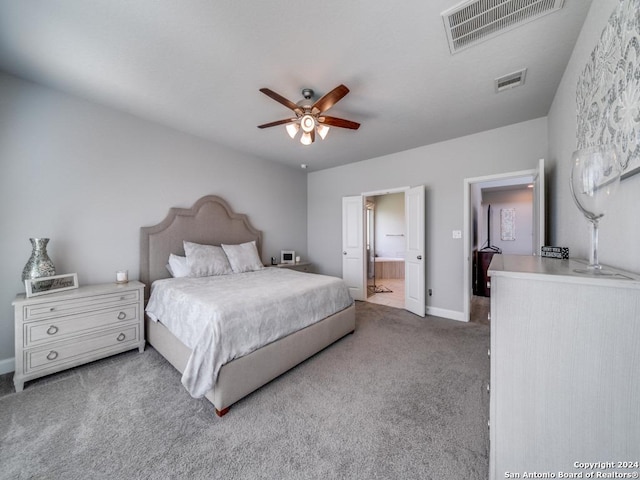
[[210, 222]]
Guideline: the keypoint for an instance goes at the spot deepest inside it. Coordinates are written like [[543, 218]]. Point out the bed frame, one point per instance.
[[212, 222]]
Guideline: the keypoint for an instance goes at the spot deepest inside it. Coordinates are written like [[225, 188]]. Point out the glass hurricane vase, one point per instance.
[[595, 176]]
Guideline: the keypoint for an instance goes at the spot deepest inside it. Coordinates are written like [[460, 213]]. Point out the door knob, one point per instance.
[[344, 253], [419, 257]]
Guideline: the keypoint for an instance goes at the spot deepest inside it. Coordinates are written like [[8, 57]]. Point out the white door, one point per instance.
[[538, 209], [414, 271], [353, 255]]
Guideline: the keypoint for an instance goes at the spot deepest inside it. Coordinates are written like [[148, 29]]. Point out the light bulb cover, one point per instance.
[[292, 129], [307, 123], [305, 139], [323, 130]]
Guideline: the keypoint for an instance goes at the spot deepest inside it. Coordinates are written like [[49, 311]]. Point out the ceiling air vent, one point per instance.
[[474, 21], [512, 80]]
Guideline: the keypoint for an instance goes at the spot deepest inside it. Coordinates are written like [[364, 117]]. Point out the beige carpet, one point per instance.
[[404, 397]]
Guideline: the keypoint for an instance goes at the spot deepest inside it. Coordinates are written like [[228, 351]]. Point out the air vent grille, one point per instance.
[[511, 80], [477, 20]]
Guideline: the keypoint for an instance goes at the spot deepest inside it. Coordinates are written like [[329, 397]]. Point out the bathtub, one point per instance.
[[389, 267]]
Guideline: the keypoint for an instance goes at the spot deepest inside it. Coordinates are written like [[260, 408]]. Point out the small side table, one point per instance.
[[57, 331]]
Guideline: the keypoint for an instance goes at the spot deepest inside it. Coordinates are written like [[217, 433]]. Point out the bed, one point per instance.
[[212, 222]]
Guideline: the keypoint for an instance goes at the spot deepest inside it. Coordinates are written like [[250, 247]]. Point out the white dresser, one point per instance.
[[61, 330], [565, 369]]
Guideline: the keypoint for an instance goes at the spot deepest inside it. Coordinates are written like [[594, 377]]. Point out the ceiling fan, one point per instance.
[[309, 114]]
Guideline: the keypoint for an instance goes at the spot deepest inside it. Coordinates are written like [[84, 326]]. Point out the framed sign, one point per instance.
[[287, 256], [52, 284]]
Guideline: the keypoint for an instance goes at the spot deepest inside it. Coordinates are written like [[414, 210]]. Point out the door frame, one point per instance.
[[467, 250], [386, 191], [378, 193]]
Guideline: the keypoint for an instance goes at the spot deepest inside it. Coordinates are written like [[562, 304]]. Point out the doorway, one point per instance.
[[503, 213], [354, 252], [385, 249]]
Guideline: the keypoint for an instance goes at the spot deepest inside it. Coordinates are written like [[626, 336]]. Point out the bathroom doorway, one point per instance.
[[385, 249]]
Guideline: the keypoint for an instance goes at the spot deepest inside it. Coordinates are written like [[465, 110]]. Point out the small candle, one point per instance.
[[297, 259], [122, 276]]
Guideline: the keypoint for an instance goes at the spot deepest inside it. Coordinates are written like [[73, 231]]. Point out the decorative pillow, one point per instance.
[[177, 266], [206, 260], [243, 257]]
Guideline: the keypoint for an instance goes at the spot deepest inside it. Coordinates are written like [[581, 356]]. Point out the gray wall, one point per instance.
[[441, 167], [522, 202], [620, 228], [389, 224], [89, 177]]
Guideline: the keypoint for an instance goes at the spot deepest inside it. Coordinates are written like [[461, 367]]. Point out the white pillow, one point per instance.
[[177, 266], [243, 257], [206, 260]]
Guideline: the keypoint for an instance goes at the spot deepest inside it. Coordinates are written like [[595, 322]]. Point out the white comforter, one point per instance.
[[225, 317]]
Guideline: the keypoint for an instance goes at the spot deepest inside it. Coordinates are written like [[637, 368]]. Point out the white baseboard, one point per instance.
[[7, 365], [444, 313]]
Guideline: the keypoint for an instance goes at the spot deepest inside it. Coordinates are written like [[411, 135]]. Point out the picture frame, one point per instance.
[[52, 284], [507, 224], [288, 257]]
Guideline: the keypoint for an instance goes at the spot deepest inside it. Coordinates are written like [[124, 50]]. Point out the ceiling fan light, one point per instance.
[[292, 129], [323, 130], [305, 139], [307, 123]]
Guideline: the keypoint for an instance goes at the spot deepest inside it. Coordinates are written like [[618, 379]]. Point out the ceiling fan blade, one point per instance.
[[329, 100], [339, 122], [277, 122], [280, 99]]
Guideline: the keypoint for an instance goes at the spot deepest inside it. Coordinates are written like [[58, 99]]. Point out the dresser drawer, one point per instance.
[[80, 350], [37, 333], [82, 304]]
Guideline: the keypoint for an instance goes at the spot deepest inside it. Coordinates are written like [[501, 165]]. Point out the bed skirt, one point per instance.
[[244, 375]]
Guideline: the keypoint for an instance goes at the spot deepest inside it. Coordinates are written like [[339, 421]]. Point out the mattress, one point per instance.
[[221, 318]]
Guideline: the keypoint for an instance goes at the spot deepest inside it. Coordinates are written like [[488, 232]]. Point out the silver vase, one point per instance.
[[39, 264]]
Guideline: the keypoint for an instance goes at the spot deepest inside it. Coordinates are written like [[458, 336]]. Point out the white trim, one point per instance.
[[502, 176], [385, 192], [7, 365], [444, 313]]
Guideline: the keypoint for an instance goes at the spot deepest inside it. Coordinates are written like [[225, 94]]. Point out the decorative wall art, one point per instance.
[[507, 224], [608, 90]]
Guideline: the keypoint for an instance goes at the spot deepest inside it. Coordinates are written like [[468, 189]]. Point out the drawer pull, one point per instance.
[[52, 309], [123, 298], [121, 337], [122, 316], [52, 330], [52, 355]]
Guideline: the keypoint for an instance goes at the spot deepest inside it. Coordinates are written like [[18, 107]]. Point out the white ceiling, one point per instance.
[[197, 65]]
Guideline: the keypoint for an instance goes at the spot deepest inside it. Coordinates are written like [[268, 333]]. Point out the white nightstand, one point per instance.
[[57, 331], [300, 266]]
